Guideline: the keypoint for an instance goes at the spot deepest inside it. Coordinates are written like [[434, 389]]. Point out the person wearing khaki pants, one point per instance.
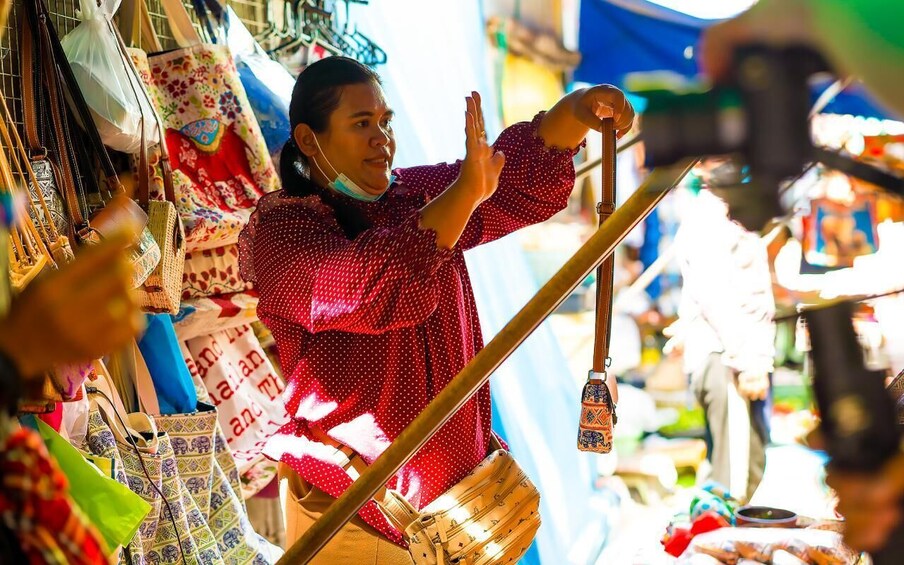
[[356, 542], [362, 280]]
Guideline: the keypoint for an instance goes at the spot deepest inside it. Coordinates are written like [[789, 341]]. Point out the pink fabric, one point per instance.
[[54, 419], [370, 330]]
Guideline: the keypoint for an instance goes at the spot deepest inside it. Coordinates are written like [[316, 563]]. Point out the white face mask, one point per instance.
[[344, 185]]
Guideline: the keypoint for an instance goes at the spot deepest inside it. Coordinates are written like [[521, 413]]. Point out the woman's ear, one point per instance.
[[304, 138]]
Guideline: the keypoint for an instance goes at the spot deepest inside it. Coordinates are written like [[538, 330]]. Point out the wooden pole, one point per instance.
[[475, 374]]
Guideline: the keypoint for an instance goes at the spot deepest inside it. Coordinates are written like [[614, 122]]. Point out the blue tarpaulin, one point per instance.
[[619, 37]]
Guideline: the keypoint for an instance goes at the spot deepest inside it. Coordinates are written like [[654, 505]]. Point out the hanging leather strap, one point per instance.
[[183, 30], [57, 57], [136, 25], [39, 73], [145, 165], [32, 100], [604, 273]]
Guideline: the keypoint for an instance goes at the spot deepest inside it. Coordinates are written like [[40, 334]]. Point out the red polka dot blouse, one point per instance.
[[370, 329]]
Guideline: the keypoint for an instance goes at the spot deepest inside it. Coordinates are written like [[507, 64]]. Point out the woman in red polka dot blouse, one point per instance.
[[363, 283]]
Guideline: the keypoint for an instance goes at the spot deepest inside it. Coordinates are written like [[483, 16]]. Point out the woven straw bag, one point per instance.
[[491, 516], [162, 289]]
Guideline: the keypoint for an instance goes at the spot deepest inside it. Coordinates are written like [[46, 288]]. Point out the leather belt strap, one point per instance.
[[31, 23], [399, 511], [604, 273]]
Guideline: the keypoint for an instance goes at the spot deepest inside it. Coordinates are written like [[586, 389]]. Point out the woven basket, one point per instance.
[[162, 289]]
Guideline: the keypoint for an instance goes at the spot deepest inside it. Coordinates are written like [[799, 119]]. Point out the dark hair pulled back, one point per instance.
[[316, 95]]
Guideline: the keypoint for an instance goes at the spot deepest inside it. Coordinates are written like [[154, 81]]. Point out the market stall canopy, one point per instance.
[[619, 37]]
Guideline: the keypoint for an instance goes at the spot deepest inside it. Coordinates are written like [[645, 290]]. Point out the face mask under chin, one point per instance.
[[344, 185]]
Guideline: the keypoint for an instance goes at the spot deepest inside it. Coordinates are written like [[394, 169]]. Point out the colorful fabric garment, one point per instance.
[[34, 505], [203, 316], [220, 161], [212, 272], [369, 330]]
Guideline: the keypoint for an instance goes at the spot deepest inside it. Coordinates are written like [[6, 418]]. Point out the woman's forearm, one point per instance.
[[448, 214], [559, 126]]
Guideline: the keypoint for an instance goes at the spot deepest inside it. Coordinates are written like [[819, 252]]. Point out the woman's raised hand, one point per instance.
[[604, 101], [482, 165]]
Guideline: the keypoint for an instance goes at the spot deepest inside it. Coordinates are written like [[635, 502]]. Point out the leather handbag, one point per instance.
[[29, 240], [28, 256], [47, 205], [490, 516], [600, 393], [42, 57]]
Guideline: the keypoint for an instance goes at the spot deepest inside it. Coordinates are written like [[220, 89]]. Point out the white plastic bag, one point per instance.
[[108, 81]]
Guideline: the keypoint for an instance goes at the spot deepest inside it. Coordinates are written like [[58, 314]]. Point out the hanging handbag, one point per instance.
[[165, 365], [175, 530], [208, 471], [36, 122], [220, 161], [600, 393], [161, 290], [28, 256], [59, 83], [268, 84], [491, 516], [45, 208]]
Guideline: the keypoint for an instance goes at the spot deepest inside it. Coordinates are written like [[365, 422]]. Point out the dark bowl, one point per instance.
[[765, 517]]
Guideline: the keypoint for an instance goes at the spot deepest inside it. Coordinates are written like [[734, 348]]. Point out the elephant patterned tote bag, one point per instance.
[[175, 530], [209, 473]]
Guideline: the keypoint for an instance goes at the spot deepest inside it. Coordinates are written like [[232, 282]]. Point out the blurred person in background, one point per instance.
[[726, 331], [76, 314], [865, 39]]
